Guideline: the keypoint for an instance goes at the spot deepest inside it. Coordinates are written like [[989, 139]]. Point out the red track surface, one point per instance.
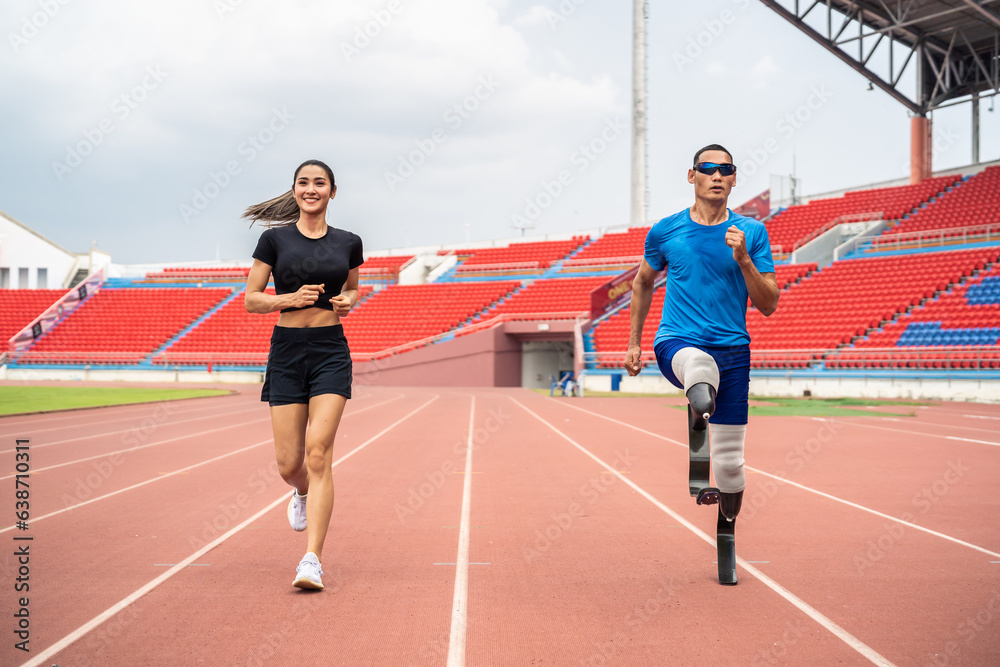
[[177, 550]]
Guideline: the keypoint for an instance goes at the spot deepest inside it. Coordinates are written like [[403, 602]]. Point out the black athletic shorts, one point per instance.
[[306, 362]]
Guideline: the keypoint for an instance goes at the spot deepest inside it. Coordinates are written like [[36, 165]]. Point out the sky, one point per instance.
[[149, 127]]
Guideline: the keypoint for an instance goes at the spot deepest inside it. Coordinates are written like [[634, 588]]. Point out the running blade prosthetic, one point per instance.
[[726, 540], [701, 405]]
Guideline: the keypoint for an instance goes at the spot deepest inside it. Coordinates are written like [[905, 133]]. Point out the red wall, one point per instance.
[[489, 358]]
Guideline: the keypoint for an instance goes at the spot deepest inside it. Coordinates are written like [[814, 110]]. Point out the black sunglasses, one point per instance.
[[708, 168]]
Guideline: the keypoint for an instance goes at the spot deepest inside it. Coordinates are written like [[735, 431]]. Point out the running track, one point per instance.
[[501, 527]]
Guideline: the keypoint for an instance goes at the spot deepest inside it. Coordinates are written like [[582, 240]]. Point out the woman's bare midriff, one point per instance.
[[308, 318]]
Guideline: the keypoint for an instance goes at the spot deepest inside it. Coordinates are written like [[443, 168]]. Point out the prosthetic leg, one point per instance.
[[699, 373], [729, 474], [725, 536], [701, 405]]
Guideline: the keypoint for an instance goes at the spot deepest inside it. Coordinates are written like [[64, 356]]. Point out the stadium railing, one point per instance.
[[384, 273], [499, 269], [601, 262], [53, 314], [184, 275], [77, 358], [872, 216], [168, 358], [931, 238], [894, 358]]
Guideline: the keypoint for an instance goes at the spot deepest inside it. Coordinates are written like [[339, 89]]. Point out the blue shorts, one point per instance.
[[731, 401]]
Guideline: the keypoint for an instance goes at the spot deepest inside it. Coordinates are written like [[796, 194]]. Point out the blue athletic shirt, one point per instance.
[[706, 295]]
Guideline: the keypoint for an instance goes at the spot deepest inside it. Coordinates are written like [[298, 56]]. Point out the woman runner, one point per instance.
[[308, 378]]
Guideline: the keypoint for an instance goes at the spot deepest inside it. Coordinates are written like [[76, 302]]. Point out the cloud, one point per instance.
[[536, 15], [362, 83]]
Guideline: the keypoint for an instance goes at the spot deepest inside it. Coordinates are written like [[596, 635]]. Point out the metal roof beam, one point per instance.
[[990, 16], [949, 63], [854, 64], [976, 58]]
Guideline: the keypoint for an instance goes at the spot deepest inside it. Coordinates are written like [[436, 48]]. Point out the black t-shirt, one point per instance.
[[297, 260]]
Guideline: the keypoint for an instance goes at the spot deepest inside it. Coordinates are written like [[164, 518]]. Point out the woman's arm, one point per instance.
[[343, 302], [256, 301]]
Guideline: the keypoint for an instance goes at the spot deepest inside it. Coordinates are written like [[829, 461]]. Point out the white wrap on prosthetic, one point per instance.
[[692, 366], [727, 456]]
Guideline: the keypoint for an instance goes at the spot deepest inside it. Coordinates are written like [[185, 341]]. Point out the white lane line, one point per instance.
[[134, 428], [134, 449], [180, 413], [120, 418], [840, 422], [179, 471], [180, 437], [124, 409], [982, 442], [809, 610], [117, 607], [923, 422], [785, 480], [460, 601], [877, 513]]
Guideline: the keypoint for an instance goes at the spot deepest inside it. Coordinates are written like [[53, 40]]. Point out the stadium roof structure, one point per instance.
[[954, 44]]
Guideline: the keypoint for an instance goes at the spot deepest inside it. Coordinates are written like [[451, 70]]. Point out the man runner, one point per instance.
[[715, 259]]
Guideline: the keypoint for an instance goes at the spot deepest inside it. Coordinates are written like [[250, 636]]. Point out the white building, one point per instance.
[[28, 260]]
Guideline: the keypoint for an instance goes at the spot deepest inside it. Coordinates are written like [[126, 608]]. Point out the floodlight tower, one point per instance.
[[640, 205]]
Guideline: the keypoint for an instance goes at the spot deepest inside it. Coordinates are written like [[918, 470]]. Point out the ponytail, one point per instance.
[[277, 212]]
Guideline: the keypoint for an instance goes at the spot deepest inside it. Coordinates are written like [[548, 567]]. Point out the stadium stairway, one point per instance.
[[207, 314], [556, 267], [490, 310], [59, 320], [449, 275]]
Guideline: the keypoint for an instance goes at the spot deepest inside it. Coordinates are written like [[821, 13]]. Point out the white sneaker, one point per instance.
[[309, 574], [297, 511]]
